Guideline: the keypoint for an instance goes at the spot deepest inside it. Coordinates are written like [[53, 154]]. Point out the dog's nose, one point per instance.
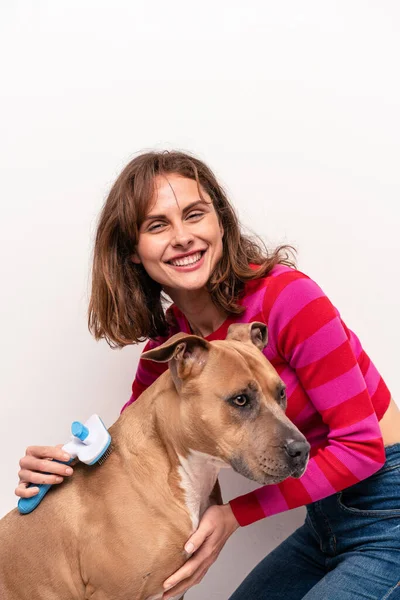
[[298, 451]]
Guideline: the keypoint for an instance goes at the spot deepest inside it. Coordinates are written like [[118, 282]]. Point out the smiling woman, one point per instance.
[[168, 229]]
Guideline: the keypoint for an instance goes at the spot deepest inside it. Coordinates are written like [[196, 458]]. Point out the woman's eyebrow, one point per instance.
[[186, 209]]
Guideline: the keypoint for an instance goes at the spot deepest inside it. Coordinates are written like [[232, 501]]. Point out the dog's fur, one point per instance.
[[116, 532]]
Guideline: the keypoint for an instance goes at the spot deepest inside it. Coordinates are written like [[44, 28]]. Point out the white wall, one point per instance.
[[295, 105]]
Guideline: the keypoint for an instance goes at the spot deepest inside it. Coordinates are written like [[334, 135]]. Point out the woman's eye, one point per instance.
[[240, 400], [195, 214], [158, 226], [155, 227]]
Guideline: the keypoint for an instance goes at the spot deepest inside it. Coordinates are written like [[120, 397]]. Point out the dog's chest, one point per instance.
[[198, 473]]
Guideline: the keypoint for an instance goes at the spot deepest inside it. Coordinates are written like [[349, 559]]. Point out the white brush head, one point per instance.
[[93, 442]]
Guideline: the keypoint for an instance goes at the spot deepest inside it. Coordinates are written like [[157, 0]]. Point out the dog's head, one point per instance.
[[233, 403]]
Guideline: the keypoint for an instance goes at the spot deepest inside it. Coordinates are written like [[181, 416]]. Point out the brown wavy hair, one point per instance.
[[127, 306]]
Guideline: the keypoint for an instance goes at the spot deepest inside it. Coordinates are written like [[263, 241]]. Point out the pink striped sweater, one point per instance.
[[335, 394]]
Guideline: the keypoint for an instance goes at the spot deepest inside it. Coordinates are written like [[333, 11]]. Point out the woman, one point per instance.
[[167, 230]]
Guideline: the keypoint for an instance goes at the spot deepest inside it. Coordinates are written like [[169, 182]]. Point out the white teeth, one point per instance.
[[187, 260]]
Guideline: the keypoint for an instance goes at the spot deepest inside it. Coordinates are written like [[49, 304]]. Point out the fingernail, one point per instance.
[[59, 479], [68, 471], [168, 585], [66, 456], [189, 548]]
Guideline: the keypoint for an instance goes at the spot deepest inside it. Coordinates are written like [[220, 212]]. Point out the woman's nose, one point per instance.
[[182, 237]]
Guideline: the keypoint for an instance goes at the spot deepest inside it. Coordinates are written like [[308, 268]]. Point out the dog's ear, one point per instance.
[[256, 333], [187, 354]]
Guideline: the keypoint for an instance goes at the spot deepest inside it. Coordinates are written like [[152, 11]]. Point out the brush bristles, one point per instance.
[[104, 457]]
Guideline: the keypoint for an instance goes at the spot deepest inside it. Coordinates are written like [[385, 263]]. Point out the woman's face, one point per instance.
[[180, 240]]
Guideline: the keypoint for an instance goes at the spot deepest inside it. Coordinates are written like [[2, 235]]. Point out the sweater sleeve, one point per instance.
[[147, 372], [310, 337]]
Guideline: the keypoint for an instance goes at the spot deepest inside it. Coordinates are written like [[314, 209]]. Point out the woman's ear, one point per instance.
[[221, 229], [135, 258]]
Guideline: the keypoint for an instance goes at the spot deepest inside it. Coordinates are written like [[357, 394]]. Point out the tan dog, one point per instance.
[[117, 531]]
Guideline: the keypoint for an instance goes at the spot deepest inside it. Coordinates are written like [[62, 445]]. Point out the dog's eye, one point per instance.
[[240, 400], [282, 399]]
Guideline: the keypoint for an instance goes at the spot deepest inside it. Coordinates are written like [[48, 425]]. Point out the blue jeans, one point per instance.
[[347, 549]]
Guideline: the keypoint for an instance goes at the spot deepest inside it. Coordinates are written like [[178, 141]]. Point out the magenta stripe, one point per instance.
[[289, 378], [295, 296], [316, 483], [355, 344], [364, 430], [360, 465], [270, 352], [372, 379], [278, 269], [253, 302], [271, 500], [338, 390], [319, 344]]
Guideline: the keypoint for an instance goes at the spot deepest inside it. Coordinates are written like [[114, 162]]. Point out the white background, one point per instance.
[[295, 105]]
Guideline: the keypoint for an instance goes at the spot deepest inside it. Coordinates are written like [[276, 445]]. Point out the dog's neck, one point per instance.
[[150, 434]]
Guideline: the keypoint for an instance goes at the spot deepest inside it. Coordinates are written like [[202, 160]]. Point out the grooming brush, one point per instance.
[[90, 443]]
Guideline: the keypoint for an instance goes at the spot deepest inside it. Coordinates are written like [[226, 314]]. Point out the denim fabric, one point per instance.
[[347, 549]]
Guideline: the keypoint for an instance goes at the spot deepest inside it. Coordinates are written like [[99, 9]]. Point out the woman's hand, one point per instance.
[[216, 526], [38, 461]]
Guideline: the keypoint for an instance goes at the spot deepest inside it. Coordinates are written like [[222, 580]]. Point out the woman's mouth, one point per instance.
[[188, 261]]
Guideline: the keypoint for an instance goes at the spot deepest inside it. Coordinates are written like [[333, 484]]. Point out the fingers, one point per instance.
[[40, 466], [199, 537], [32, 477], [190, 567], [185, 578], [54, 452], [193, 571], [22, 490], [194, 543], [205, 544], [30, 463], [177, 591]]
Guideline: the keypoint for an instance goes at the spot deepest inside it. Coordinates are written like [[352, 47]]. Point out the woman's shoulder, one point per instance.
[[277, 279], [283, 289]]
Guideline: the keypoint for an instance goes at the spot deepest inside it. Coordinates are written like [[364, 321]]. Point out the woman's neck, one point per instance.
[[199, 309]]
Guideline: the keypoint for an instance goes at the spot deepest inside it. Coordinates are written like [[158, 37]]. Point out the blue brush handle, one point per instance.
[[27, 505]]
